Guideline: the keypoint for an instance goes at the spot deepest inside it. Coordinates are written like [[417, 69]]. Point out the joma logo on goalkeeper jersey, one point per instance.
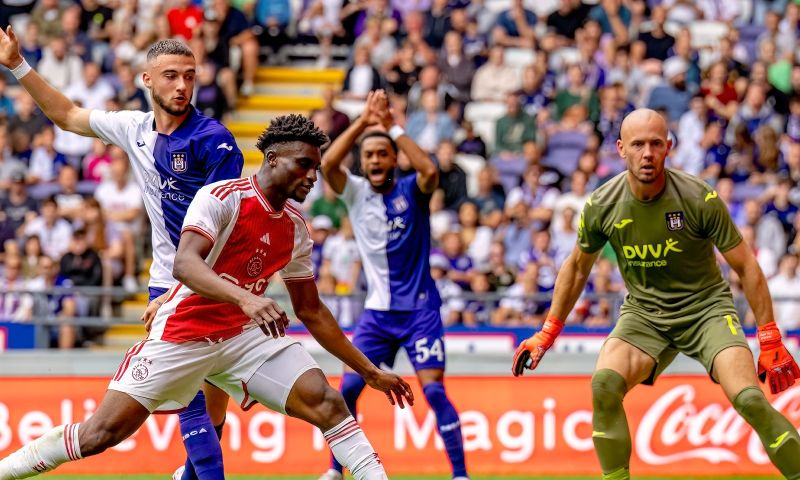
[[649, 254]]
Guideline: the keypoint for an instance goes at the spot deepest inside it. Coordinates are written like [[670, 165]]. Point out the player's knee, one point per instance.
[[332, 408], [608, 389], [751, 403]]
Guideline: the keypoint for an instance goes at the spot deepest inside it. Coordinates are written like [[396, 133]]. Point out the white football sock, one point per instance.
[[59, 445], [352, 449]]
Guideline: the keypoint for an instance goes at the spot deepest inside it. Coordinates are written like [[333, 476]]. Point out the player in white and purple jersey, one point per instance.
[[174, 151], [391, 222]]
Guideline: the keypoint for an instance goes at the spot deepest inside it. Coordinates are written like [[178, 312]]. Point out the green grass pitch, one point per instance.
[[394, 477]]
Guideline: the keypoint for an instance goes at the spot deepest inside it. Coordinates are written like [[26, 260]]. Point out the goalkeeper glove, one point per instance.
[[775, 364], [531, 351]]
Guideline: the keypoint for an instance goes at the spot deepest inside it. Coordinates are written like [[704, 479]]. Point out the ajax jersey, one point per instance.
[[169, 169], [664, 247], [251, 241]]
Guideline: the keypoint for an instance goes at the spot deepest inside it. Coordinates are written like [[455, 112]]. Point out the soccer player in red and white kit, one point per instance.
[[236, 235]]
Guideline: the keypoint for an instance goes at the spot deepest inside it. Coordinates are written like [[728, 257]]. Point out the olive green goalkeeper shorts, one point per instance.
[[700, 336]]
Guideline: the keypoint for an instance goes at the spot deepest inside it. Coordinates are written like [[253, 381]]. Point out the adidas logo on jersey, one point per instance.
[[265, 238]]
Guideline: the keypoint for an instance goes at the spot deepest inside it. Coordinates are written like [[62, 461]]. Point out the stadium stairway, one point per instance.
[[278, 91]]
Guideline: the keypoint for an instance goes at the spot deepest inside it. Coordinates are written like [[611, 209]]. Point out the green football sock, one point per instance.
[[621, 474], [778, 435], [610, 434]]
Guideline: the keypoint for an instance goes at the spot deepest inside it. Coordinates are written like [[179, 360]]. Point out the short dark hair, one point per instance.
[[291, 128], [168, 47], [379, 134]]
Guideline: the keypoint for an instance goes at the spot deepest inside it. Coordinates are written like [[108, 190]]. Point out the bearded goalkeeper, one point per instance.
[[664, 225]]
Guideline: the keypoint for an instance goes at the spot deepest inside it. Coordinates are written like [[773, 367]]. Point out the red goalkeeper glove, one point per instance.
[[775, 364], [531, 351]]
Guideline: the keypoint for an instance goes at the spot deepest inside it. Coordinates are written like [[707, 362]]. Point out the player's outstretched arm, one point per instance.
[[332, 169], [320, 323], [570, 282], [53, 103], [775, 364], [191, 270]]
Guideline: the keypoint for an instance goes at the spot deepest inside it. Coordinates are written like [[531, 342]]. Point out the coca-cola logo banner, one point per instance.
[[534, 425]]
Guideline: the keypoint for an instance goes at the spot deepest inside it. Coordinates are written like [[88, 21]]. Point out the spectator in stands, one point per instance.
[[785, 290], [576, 91], [47, 16], [472, 144], [274, 17], [563, 232], [754, 112], [329, 205], [614, 18], [235, 33], [774, 97], [500, 275], [321, 228], [361, 77], [452, 178], [78, 43], [515, 27], [455, 67], [31, 252], [714, 151], [476, 237], [495, 80], [341, 258], [478, 310], [490, 195], [672, 95], [96, 20], [403, 72], [27, 116], [564, 141], [780, 205], [184, 19], [461, 266], [565, 21], [97, 164], [437, 23], [59, 66], [513, 129], [766, 232], [543, 254], [121, 208], [46, 162], [430, 125], [6, 104], [381, 10], [15, 209], [129, 95], [82, 267], [210, 98], [68, 198], [720, 95], [533, 94], [382, 47], [451, 294], [688, 155], [48, 305], [655, 42], [792, 129], [53, 231], [430, 78], [29, 43], [14, 306], [339, 121], [442, 220], [522, 303], [515, 233], [10, 167]]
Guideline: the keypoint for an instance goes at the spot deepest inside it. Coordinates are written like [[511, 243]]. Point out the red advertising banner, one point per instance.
[[534, 425]]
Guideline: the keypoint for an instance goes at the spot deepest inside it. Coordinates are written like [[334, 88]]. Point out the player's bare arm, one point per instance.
[[775, 364], [570, 283], [53, 103], [191, 269], [332, 169], [320, 323]]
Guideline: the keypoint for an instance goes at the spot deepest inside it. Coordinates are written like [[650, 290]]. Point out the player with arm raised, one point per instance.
[[391, 223], [174, 150], [236, 235], [663, 225]]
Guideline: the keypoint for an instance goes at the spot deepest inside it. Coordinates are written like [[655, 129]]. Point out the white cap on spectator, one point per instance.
[[322, 222], [674, 66], [439, 261], [514, 198]]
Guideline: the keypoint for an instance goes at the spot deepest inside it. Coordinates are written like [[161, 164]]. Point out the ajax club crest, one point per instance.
[[255, 266], [674, 221], [139, 371], [179, 162]]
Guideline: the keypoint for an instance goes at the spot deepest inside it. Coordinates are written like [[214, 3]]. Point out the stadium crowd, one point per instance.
[[520, 105]]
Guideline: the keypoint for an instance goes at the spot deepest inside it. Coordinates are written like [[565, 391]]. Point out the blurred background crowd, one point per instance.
[[520, 104]]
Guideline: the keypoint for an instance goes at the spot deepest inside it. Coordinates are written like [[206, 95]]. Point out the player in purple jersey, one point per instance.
[[174, 151], [391, 222]]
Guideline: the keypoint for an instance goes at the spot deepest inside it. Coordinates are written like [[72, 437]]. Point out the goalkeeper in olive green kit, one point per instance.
[[664, 225]]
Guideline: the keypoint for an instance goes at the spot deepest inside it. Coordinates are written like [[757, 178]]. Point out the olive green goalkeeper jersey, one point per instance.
[[665, 246]]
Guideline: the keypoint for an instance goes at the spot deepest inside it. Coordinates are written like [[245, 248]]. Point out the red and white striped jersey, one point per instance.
[[251, 241]]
